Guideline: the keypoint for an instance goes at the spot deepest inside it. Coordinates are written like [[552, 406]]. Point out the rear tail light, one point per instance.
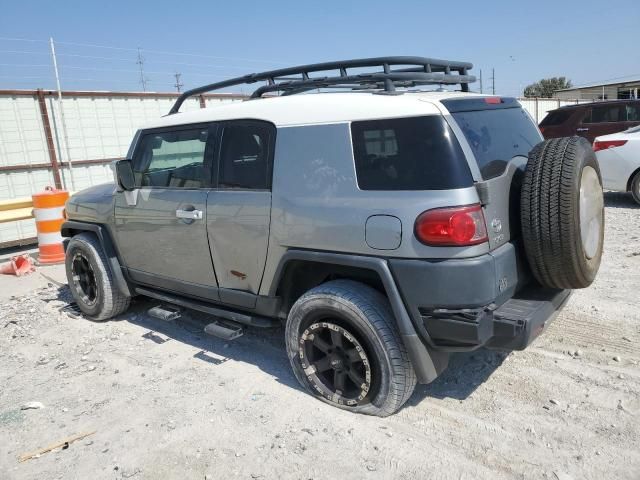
[[451, 226], [492, 100], [604, 144]]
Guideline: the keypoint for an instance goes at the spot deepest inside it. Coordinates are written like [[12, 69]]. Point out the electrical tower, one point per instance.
[[493, 81], [178, 85], [140, 62]]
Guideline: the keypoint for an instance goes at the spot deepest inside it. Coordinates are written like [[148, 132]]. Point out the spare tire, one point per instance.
[[562, 213]]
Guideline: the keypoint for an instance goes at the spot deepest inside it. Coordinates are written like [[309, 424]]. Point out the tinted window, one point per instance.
[[244, 156], [608, 113], [497, 135], [633, 113], [419, 153], [173, 159], [556, 117]]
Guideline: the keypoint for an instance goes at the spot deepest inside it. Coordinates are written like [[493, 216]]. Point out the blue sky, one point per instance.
[[524, 41]]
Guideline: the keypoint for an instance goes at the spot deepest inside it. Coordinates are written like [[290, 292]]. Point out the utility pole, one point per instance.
[[481, 81], [140, 62], [493, 80], [63, 123], [178, 85]]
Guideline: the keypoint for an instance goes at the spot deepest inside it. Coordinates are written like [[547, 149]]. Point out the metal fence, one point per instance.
[[38, 140]]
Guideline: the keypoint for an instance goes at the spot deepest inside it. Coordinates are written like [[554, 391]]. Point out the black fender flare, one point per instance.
[[427, 362], [72, 227]]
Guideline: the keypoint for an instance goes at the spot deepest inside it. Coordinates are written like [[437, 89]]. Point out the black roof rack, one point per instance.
[[416, 71]]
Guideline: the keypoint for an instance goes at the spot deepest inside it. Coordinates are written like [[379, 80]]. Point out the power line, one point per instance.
[[160, 52], [22, 39]]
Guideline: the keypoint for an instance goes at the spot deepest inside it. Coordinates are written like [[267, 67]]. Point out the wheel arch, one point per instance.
[[631, 177], [300, 270], [71, 228]]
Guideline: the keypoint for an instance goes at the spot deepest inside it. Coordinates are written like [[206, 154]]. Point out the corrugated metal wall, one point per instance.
[[100, 126]]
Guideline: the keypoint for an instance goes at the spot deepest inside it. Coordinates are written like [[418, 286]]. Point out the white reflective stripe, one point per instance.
[[49, 238], [53, 213]]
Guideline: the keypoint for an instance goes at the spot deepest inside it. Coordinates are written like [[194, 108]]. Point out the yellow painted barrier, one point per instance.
[[16, 209]]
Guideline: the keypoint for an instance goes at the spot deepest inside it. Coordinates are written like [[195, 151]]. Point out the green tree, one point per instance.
[[545, 87]]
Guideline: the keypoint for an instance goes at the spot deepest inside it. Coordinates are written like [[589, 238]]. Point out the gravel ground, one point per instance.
[[166, 401]]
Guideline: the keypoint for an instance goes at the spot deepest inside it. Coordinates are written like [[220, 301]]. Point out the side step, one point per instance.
[[225, 330], [237, 317], [168, 313]]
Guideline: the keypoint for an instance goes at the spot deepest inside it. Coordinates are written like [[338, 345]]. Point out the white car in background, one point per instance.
[[619, 158]]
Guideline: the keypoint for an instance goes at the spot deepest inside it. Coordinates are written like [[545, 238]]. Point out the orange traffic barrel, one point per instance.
[[48, 210]]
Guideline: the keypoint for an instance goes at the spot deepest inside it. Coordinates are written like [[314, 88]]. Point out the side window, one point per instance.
[[173, 159], [633, 113], [607, 114], [245, 156]]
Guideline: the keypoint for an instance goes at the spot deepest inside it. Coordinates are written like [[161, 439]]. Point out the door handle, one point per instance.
[[582, 129], [189, 214]]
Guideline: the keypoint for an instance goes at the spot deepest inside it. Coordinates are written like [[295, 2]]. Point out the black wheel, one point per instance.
[[90, 279], [562, 212], [635, 187], [345, 350]]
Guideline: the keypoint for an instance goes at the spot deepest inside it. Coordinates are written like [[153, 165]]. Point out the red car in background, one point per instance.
[[590, 120]]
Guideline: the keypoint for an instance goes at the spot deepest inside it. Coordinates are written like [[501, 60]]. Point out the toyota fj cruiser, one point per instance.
[[386, 226]]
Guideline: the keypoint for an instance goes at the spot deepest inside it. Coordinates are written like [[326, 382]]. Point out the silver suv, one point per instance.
[[386, 226]]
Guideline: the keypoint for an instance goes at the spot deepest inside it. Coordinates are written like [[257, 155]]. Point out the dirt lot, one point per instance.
[[165, 401]]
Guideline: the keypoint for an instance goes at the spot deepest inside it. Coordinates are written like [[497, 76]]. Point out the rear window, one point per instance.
[[556, 117], [415, 153], [497, 135]]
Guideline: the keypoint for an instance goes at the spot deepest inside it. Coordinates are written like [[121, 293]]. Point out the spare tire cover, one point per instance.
[[562, 213]]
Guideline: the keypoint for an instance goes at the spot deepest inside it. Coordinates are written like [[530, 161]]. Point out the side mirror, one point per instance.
[[124, 174]]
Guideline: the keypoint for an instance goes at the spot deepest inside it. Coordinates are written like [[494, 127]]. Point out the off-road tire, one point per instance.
[[367, 315], [550, 213], [110, 301], [635, 187]]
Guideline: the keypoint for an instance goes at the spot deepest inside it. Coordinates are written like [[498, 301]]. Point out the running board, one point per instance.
[[243, 318]]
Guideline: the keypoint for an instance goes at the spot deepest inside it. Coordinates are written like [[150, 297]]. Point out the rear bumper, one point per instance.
[[512, 326], [460, 305]]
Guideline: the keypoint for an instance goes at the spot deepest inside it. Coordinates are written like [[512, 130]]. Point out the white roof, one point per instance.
[[317, 108]]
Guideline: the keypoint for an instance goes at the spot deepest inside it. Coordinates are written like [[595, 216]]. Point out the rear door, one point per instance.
[[603, 120], [239, 208], [161, 226]]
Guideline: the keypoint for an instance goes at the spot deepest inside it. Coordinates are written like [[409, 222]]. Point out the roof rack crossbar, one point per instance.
[[416, 71]]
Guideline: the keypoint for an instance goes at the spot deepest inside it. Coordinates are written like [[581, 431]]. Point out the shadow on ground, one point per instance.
[[619, 200], [262, 347], [265, 349], [466, 372]]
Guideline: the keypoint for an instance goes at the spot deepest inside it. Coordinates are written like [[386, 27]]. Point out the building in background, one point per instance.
[[601, 91]]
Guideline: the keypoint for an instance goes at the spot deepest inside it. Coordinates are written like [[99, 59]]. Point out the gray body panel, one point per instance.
[[153, 241], [317, 204], [238, 227]]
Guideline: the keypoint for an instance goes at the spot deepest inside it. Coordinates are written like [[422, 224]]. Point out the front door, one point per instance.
[[239, 209], [161, 227]]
